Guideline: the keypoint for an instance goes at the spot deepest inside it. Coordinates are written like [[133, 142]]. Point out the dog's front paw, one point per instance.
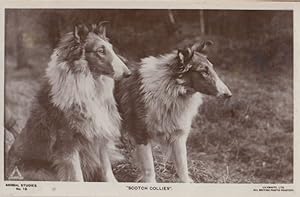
[[110, 178], [146, 179], [187, 180]]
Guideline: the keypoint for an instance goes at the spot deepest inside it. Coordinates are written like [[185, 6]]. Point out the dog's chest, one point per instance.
[[172, 119], [99, 113]]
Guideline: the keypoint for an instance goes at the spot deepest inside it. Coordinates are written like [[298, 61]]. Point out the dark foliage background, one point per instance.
[[248, 139]]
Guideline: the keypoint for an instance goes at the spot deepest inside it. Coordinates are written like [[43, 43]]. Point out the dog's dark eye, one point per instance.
[[205, 72], [100, 50]]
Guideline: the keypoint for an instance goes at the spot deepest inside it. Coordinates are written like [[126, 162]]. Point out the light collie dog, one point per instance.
[[74, 123], [159, 101]]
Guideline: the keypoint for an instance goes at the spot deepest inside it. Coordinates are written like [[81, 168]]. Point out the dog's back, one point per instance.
[[30, 151], [131, 106]]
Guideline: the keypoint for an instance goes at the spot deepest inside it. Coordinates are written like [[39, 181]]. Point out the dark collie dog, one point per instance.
[[158, 103], [74, 123]]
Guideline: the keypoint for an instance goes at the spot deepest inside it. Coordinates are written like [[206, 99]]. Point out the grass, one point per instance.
[[248, 139]]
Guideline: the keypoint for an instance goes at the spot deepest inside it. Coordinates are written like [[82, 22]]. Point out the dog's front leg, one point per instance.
[[180, 158], [145, 157], [107, 172], [68, 167]]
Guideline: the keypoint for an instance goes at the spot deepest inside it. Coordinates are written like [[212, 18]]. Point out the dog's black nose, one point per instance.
[[127, 74], [227, 95]]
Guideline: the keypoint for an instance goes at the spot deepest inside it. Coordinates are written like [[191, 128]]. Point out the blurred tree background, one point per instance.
[[149, 31], [248, 139]]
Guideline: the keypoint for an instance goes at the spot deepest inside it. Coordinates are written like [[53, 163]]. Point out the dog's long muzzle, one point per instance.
[[120, 69], [127, 73], [223, 90]]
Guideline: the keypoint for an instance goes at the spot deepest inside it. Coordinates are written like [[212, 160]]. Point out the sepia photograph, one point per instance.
[[149, 95]]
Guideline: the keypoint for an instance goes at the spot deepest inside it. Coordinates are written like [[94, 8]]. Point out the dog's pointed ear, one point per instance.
[[80, 32], [101, 28], [184, 55], [202, 47]]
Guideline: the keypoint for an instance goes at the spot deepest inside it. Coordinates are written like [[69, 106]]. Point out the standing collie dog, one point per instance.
[[158, 103], [74, 123]]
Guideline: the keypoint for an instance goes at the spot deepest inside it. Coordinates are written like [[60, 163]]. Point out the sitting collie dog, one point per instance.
[[74, 122], [159, 100]]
